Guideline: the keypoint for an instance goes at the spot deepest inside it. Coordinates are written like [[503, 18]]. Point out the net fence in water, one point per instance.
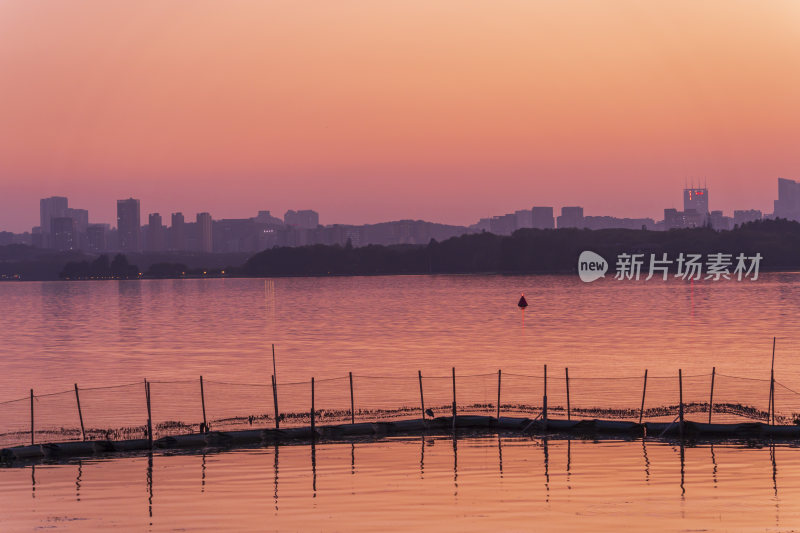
[[183, 406]]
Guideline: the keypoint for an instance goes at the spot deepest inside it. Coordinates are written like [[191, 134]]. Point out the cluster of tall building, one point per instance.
[[696, 211], [695, 214], [60, 226], [64, 228], [544, 218]]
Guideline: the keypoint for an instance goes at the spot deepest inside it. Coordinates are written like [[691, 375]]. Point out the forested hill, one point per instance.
[[531, 251]]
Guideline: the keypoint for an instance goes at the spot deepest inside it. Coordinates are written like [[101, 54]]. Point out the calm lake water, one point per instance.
[[385, 330], [418, 484], [55, 334]]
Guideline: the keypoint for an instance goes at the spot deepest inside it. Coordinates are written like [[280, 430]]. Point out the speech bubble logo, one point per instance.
[[591, 266]]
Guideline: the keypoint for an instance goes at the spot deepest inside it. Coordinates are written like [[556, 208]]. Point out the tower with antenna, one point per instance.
[[696, 199]]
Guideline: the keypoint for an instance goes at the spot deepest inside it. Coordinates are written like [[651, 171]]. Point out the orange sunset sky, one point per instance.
[[378, 110]]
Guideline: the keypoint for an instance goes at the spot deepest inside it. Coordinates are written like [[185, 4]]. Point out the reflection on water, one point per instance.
[[96, 333], [456, 489]]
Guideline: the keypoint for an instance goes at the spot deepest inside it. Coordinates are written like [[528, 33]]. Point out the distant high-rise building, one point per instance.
[[177, 232], [524, 218], [304, 219], [695, 219], [49, 208], [720, 222], [55, 206], [265, 217], [696, 199], [571, 217], [96, 237], [788, 203], [543, 218], [673, 219], [64, 233], [128, 225], [81, 217], [204, 232], [156, 234], [746, 215]]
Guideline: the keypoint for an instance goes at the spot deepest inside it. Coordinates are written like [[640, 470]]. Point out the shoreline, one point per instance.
[[398, 274]]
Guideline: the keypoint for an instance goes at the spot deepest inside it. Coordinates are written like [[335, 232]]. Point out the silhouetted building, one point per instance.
[[694, 219], [204, 232], [788, 203], [352, 236], [524, 218], [695, 199], [503, 225], [64, 233], [80, 216], [571, 217], [484, 224], [49, 208], [38, 237], [237, 235], [96, 237], [305, 219], [264, 217], [128, 225], [720, 222], [673, 219], [542, 218], [606, 222], [746, 215], [177, 233], [156, 237]]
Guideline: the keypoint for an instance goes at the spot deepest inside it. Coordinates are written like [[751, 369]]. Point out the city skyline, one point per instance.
[[411, 114], [107, 210], [692, 194], [66, 228]]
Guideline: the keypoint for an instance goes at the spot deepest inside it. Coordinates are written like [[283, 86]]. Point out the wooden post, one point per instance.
[[352, 403], [274, 370], [711, 399], [544, 400], [80, 414], [498, 394], [32, 439], [771, 415], [313, 432], [454, 399], [275, 401], [644, 391], [275, 388], [149, 415], [680, 406], [203, 403], [566, 372], [771, 409], [421, 397]]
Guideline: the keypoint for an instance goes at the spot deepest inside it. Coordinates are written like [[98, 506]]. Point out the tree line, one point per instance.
[[530, 251]]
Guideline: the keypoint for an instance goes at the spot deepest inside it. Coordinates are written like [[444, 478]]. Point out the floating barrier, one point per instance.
[[475, 424]]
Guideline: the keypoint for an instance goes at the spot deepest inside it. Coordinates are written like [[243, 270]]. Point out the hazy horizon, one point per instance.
[[364, 112]]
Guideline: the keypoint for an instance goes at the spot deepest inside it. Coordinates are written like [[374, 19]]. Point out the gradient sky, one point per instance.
[[369, 111]]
